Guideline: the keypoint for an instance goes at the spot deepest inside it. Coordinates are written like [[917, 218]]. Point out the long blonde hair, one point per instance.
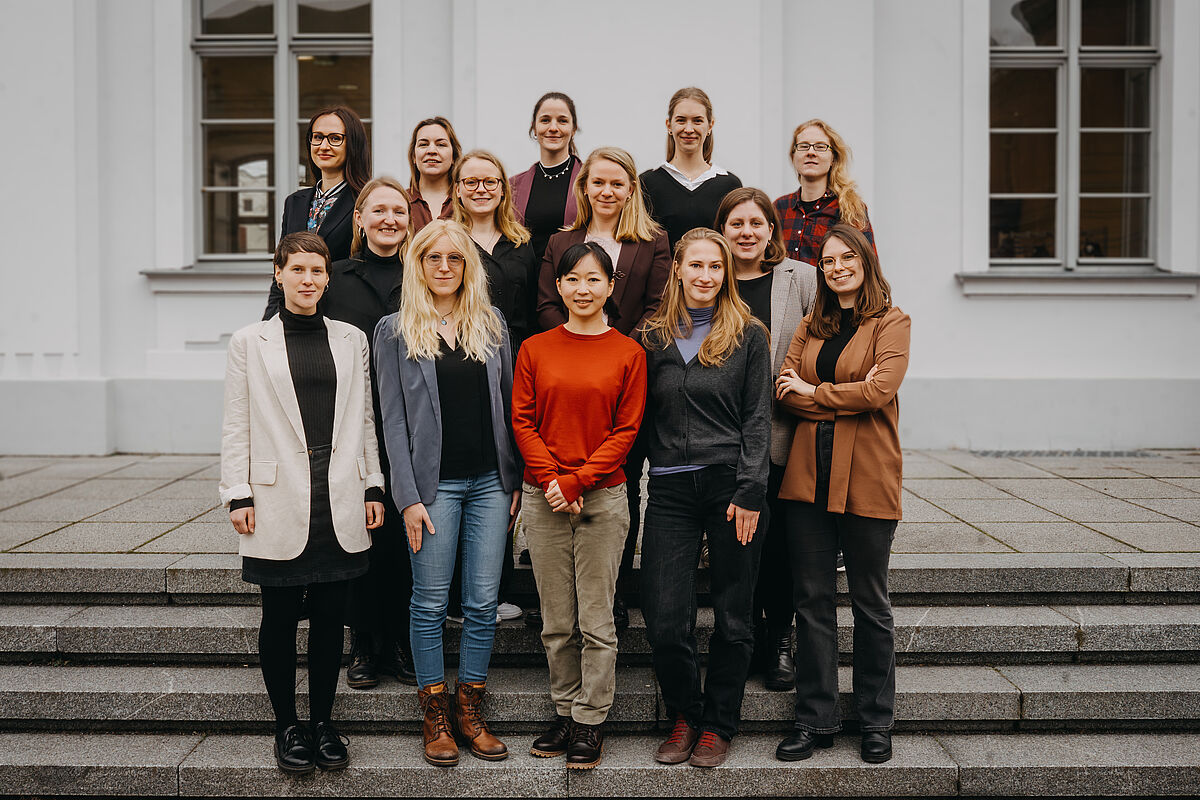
[[479, 327], [359, 240], [635, 223], [730, 318], [505, 218], [850, 203], [701, 97]]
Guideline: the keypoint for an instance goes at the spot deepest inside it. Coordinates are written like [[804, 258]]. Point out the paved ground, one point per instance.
[[954, 502]]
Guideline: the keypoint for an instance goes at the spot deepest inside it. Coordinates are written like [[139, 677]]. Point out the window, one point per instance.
[[265, 66], [1072, 104]]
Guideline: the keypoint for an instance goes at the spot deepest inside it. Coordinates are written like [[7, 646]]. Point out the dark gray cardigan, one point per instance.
[[713, 415]]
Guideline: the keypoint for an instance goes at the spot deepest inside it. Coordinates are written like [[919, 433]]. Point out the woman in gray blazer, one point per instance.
[[445, 388], [780, 293], [299, 459]]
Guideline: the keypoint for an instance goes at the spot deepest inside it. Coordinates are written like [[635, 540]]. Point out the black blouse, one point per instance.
[[468, 443], [512, 273], [832, 349]]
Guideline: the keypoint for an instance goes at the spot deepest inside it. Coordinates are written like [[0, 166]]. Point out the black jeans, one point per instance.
[[773, 593], [682, 508], [814, 537]]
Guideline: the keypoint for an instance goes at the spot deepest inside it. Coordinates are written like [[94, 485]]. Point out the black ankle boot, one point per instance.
[[293, 750], [800, 745], [781, 674], [620, 613], [395, 660], [361, 673]]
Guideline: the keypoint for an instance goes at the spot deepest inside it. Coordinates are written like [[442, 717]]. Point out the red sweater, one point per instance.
[[577, 404]]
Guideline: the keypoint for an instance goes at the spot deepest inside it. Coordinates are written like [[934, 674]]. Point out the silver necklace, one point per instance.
[[566, 167]]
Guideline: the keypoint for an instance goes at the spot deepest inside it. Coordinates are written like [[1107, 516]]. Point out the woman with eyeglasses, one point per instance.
[[826, 195], [842, 489], [432, 153], [684, 191], [542, 198], [339, 157], [445, 390]]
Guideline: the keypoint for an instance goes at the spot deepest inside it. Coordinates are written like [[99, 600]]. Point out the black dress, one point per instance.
[[315, 378]]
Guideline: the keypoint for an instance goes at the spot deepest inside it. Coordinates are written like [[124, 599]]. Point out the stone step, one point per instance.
[[1021, 765], [973, 578], [225, 698], [937, 634]]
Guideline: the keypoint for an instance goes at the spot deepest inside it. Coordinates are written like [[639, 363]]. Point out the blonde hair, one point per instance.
[[850, 203], [359, 240], [505, 218], [479, 328], [635, 223], [730, 318], [699, 95]]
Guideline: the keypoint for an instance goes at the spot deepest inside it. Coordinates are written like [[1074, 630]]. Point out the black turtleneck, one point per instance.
[[831, 351], [314, 375], [383, 272]]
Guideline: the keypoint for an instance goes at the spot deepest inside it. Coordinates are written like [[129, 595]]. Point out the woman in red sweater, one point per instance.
[[574, 428]]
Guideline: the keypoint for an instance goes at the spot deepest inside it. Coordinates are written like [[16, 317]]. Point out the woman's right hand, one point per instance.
[[416, 518], [558, 501], [243, 519]]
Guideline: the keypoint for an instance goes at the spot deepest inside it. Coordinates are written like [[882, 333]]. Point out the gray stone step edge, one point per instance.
[[391, 766], [231, 696]]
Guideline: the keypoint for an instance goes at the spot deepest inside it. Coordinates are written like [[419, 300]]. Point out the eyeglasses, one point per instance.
[[335, 139], [847, 260], [454, 260], [804, 147], [471, 184]]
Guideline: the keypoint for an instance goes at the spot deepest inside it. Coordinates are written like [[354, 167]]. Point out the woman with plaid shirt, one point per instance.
[[826, 195]]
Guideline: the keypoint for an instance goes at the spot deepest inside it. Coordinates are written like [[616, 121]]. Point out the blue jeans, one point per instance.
[[473, 511]]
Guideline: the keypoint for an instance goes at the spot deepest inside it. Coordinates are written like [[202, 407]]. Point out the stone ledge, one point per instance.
[[93, 764], [1152, 692], [85, 573]]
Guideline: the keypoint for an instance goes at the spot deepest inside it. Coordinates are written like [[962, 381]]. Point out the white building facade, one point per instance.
[[1031, 167]]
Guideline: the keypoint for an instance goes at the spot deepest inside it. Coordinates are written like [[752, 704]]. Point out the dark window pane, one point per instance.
[[1114, 227], [326, 81], [1023, 163], [1114, 162], [1024, 23], [303, 169], [1022, 228], [1115, 98], [1116, 23], [1024, 98], [239, 222], [241, 87], [234, 17], [239, 155], [334, 16]]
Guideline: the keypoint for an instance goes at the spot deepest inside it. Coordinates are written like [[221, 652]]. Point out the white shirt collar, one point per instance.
[[692, 184]]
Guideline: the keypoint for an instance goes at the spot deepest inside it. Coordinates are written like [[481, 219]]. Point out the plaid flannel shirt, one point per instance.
[[805, 224]]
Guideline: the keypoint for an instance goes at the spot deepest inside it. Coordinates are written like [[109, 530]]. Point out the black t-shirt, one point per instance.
[[831, 351], [468, 444], [548, 198], [757, 294]]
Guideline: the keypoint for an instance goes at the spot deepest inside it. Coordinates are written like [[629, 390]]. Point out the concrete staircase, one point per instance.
[[1020, 674]]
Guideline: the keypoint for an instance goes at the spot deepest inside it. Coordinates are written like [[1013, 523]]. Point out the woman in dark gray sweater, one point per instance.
[[708, 368]]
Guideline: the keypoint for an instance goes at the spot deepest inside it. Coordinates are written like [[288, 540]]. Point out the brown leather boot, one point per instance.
[[470, 725], [440, 748]]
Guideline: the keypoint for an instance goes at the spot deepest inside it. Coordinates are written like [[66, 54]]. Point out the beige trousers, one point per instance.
[[575, 562]]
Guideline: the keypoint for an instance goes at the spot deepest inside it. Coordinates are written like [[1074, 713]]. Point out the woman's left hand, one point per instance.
[[789, 381], [513, 508], [745, 522], [374, 515]]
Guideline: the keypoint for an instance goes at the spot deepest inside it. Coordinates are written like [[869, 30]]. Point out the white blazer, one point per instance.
[[263, 451]]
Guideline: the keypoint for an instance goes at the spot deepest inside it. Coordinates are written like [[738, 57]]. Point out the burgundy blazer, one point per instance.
[[642, 273], [522, 184]]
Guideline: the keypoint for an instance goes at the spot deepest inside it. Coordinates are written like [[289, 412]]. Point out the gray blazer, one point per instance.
[[793, 292], [412, 416]]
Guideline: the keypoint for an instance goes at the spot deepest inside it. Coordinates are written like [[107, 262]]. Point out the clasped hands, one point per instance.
[[789, 381]]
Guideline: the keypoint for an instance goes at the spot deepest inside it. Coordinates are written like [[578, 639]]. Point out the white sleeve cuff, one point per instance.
[[375, 479], [239, 492]]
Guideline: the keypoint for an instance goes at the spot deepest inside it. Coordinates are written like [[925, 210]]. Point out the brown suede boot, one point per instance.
[[470, 725], [440, 748]]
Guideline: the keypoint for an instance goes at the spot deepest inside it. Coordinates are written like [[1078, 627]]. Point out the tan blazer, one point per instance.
[[865, 475], [263, 451]]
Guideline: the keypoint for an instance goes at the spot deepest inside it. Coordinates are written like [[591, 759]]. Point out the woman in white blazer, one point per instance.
[[300, 474]]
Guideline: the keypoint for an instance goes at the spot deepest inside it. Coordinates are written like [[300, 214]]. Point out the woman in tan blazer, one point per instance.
[[300, 474], [840, 377]]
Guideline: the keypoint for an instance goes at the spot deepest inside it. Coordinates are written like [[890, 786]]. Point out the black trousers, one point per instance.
[[378, 600], [277, 647], [773, 593], [682, 508], [635, 465], [814, 537]]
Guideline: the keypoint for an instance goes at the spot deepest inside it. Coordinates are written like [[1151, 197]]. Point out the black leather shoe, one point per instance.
[[533, 619], [395, 660], [620, 613], [361, 673], [330, 747], [586, 748], [554, 741], [781, 673], [800, 745], [293, 750], [876, 747]]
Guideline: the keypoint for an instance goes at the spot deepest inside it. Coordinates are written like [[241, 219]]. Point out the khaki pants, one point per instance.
[[575, 562]]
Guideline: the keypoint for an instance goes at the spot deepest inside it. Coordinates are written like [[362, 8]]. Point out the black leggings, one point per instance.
[[277, 647]]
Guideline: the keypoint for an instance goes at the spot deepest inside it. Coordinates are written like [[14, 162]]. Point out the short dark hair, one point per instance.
[[302, 242], [576, 253], [570, 107], [357, 169]]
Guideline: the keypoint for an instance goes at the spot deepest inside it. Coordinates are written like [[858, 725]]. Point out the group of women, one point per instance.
[[473, 348]]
